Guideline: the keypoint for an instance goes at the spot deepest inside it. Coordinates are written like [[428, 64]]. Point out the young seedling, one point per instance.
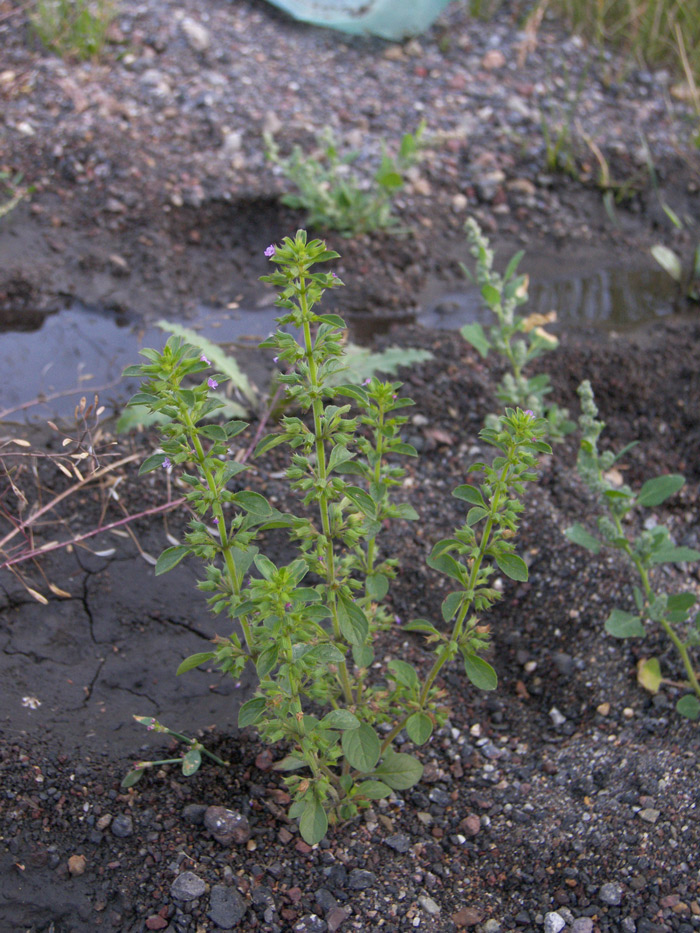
[[519, 340], [674, 613]]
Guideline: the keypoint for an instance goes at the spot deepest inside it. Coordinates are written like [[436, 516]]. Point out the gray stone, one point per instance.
[[226, 907], [553, 922], [197, 36], [187, 887], [227, 826], [325, 900], [194, 813], [429, 905], [122, 825], [582, 925], [310, 924], [492, 926], [360, 879], [611, 894], [399, 842]]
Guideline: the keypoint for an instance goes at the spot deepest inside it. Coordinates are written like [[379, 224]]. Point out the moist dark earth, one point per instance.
[[566, 799]]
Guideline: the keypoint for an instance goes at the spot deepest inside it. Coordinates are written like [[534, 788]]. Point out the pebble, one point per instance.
[[194, 813], [553, 922], [187, 887], [227, 826], [399, 842], [582, 925], [467, 917], [311, 924], [336, 918], [429, 905], [226, 907], [198, 36], [77, 865], [611, 894], [156, 922], [122, 825], [360, 879], [649, 814]]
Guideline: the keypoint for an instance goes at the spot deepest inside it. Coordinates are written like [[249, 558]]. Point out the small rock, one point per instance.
[[649, 815], [553, 922], [310, 924], [336, 918], [187, 887], [429, 905], [399, 842], [470, 824], [122, 825], [77, 865], [611, 894], [467, 917], [156, 922], [582, 925], [194, 813], [103, 821], [360, 879], [226, 907], [491, 926], [493, 59], [557, 718], [197, 36], [227, 826]]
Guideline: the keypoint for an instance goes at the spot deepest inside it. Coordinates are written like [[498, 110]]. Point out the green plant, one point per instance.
[[652, 546], [15, 192], [336, 198], [558, 137], [308, 626], [73, 28], [519, 340], [190, 762]]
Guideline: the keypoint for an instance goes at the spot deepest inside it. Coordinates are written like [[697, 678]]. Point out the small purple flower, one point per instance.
[[215, 520], [212, 383], [367, 381], [270, 251], [397, 619], [334, 275], [530, 413], [274, 359], [287, 606], [167, 465], [203, 359]]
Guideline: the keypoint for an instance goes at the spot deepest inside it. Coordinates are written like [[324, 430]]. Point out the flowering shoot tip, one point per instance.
[[212, 383], [270, 251]]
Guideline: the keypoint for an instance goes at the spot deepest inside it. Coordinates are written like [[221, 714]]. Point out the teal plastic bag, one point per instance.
[[389, 19]]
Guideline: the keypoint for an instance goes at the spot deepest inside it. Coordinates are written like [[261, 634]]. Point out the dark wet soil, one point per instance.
[[565, 800]]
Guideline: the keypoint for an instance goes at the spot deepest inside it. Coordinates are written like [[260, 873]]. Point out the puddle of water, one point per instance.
[[80, 351], [611, 299]]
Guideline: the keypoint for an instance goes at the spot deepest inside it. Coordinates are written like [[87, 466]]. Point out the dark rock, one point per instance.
[[227, 826], [122, 825], [360, 879], [187, 886], [226, 907]]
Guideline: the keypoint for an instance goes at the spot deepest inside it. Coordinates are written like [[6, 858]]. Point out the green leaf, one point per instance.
[[404, 674], [689, 706], [267, 660], [254, 503], [377, 586], [621, 624], [469, 494], [451, 604], [289, 763], [191, 762], [362, 655], [475, 514], [251, 712], [578, 534], [195, 660], [512, 566], [474, 334], [361, 747], [419, 727], [133, 777], [681, 602], [399, 771], [340, 719], [362, 500], [152, 463], [480, 672], [339, 456], [445, 563], [170, 558], [313, 824], [374, 790], [491, 295], [352, 620], [649, 674], [265, 566], [655, 491], [406, 511], [421, 625], [670, 554]]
